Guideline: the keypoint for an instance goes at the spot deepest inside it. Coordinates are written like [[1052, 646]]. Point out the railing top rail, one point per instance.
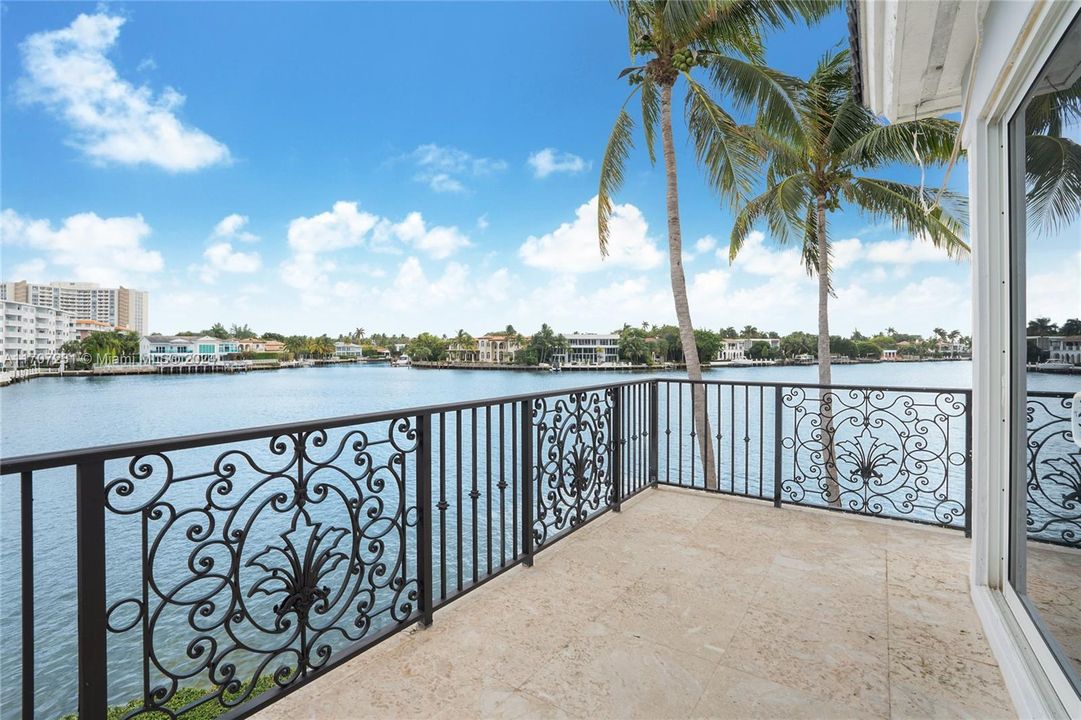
[[816, 386], [1050, 393], [45, 461]]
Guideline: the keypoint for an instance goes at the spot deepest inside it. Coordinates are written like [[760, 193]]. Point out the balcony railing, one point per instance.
[[227, 569]]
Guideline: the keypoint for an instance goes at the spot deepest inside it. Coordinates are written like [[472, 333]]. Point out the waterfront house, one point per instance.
[[737, 348], [589, 349], [348, 350], [1059, 348], [463, 352], [498, 348], [169, 349], [251, 345], [889, 354]]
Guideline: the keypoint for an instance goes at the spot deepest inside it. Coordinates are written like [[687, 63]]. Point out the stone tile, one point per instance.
[[927, 683], [846, 665], [852, 595], [735, 694], [939, 620], [699, 619], [611, 674]]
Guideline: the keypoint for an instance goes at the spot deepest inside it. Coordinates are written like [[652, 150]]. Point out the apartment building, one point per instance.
[[119, 308], [33, 330]]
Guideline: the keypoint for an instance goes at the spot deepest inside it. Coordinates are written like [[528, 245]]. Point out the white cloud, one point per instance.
[[32, 270], [904, 252], [705, 244], [846, 252], [222, 258], [113, 121], [757, 259], [482, 222], [573, 247], [86, 247], [232, 227], [442, 168], [1055, 294], [438, 242], [344, 226], [549, 160]]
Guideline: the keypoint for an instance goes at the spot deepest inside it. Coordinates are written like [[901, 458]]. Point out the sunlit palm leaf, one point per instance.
[[907, 208], [720, 147], [615, 157]]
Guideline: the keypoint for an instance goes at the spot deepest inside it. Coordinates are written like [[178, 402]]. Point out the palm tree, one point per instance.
[[359, 334], [814, 165], [725, 39], [823, 159]]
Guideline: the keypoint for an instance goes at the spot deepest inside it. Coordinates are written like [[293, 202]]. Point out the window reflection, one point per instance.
[[1046, 552]]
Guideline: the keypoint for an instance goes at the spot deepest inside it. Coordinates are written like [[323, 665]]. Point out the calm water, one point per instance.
[[54, 414]]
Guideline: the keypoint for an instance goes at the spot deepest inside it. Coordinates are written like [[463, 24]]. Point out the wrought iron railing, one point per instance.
[[224, 570], [1053, 465]]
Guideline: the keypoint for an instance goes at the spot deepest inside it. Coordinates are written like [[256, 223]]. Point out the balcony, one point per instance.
[[694, 605], [565, 552]]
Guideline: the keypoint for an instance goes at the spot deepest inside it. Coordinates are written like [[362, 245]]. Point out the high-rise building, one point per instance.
[[123, 308]]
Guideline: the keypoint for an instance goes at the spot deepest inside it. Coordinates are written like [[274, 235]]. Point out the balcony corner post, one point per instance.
[[778, 409], [654, 431], [968, 464], [616, 426], [528, 479], [424, 529], [90, 562]]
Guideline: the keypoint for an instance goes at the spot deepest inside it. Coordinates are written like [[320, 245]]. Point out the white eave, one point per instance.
[[914, 56]]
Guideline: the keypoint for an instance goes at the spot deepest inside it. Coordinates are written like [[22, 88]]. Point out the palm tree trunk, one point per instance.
[[833, 494], [679, 294]]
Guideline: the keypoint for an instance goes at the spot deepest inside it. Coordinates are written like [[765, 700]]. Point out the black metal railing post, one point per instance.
[[654, 431], [777, 431], [90, 560], [968, 464], [27, 540], [528, 478], [617, 447], [424, 529]]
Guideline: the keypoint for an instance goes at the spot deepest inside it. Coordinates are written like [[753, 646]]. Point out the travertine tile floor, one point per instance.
[[687, 605], [1054, 586]]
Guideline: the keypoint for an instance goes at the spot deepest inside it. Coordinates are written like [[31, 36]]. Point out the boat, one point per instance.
[[1056, 366], [403, 362]]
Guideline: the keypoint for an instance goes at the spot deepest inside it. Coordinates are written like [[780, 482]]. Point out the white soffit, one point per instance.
[[915, 54]]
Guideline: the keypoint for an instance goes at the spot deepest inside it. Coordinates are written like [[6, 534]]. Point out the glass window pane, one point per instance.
[[1045, 182]]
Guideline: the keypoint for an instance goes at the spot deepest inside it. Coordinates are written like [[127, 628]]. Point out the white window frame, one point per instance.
[[1037, 683]]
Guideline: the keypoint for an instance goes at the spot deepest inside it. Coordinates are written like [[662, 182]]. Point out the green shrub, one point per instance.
[[186, 696]]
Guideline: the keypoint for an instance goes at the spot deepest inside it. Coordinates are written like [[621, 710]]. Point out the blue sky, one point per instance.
[[413, 166]]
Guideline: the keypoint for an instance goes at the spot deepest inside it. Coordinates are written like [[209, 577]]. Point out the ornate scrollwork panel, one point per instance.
[[1053, 464], [261, 560], [876, 452], [573, 458]]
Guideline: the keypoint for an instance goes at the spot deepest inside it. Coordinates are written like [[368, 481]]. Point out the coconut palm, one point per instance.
[[828, 157], [724, 39], [1053, 160]]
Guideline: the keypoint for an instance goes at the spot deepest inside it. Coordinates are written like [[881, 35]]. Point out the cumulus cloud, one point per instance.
[[86, 247], [904, 252], [549, 160], [232, 228], [573, 247], [443, 168], [438, 242], [221, 257], [68, 72], [315, 240]]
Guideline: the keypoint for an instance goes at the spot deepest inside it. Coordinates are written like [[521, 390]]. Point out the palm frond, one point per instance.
[[933, 137], [721, 149], [615, 157], [781, 206], [651, 113], [906, 206], [774, 95], [1053, 169]]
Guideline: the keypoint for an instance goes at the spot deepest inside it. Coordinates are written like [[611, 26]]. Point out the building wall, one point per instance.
[[31, 330], [590, 349]]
